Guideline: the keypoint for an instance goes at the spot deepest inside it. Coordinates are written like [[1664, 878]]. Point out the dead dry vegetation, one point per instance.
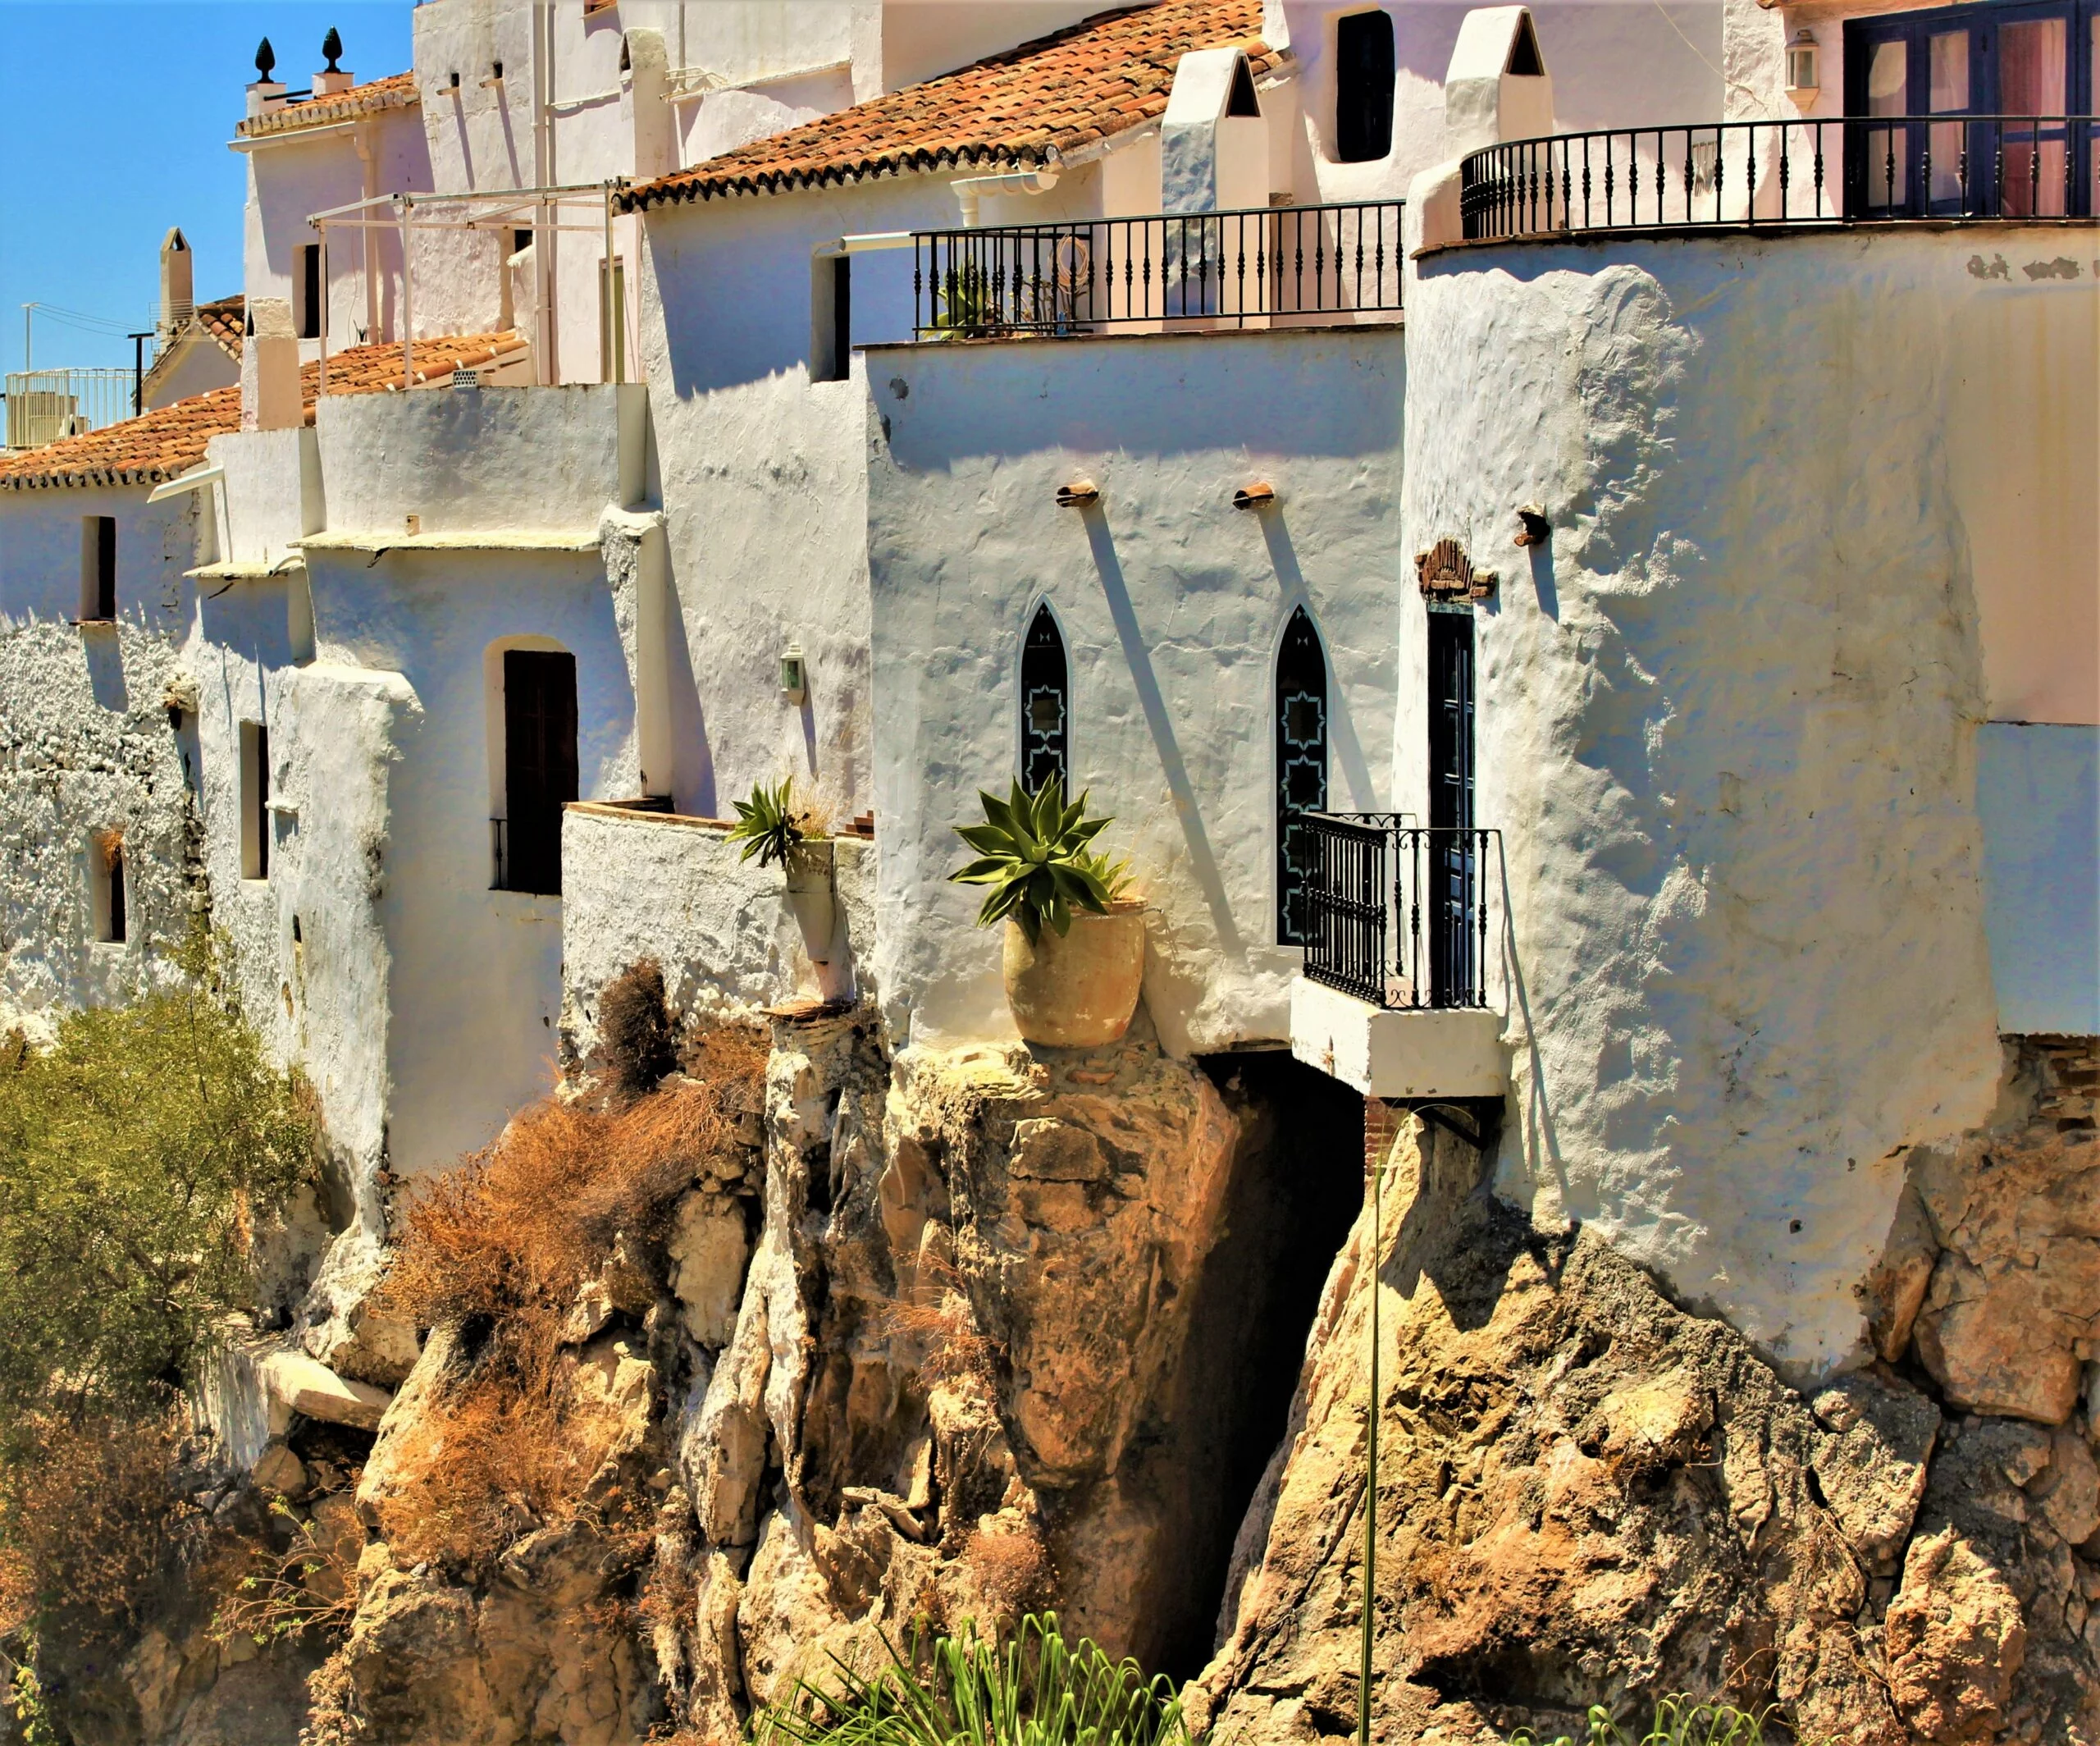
[[574, 1193]]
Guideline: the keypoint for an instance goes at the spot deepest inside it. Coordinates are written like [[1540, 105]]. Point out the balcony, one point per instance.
[[1280, 267], [1395, 997], [1948, 169]]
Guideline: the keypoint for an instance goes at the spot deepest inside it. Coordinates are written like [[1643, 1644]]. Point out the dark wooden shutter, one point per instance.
[[1453, 851], [105, 567], [1045, 697], [1301, 768], [1363, 87], [539, 723]]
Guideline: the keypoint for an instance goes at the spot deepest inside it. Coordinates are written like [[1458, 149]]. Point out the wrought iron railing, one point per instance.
[[1263, 265], [1951, 168], [1397, 913]]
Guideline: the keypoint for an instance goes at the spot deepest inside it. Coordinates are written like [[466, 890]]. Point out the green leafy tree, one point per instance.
[[138, 1154]]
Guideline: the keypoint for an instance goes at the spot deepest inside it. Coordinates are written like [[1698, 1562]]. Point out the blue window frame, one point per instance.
[[2015, 79]]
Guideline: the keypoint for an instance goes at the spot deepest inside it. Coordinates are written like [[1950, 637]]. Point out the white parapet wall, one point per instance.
[[724, 931], [1402, 1054], [1810, 525]]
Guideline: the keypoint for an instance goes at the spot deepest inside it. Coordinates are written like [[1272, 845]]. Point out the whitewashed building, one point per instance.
[[640, 402]]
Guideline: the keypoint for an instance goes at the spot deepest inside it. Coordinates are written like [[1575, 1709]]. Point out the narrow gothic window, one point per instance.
[[1046, 695], [1301, 767]]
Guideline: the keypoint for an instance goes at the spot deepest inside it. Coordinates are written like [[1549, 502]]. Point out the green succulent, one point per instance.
[[1034, 852], [769, 824]]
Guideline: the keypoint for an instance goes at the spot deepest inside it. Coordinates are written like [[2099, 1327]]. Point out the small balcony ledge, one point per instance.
[[1405, 1053]]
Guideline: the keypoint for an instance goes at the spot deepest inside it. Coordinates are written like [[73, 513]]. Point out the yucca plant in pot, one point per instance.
[[1074, 948], [779, 828]]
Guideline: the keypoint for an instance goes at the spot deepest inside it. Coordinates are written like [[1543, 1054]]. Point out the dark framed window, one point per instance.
[[107, 898], [2029, 66], [98, 569], [539, 767], [832, 290], [1046, 704], [1453, 953], [1301, 767], [1363, 87], [309, 291], [255, 800]]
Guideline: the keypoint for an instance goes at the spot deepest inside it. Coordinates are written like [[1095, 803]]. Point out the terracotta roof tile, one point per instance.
[[397, 91], [158, 445], [226, 321], [1025, 107]]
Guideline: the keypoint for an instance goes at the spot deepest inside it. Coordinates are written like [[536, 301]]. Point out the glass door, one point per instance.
[[2020, 77]]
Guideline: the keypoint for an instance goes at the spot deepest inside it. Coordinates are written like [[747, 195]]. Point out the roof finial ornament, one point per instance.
[[331, 48], [266, 62]]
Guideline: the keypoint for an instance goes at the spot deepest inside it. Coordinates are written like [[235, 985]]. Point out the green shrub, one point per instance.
[[1035, 853], [1033, 1691], [138, 1154], [1680, 1721]]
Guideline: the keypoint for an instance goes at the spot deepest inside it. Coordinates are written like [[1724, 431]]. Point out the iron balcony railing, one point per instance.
[[1994, 167], [1396, 913], [1262, 267]]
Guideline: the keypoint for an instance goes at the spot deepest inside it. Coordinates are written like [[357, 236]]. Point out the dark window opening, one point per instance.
[[98, 568], [1453, 948], [520, 240], [1301, 767], [1242, 102], [105, 869], [309, 291], [1045, 707], [1363, 87], [834, 319], [255, 800], [115, 931], [539, 768]]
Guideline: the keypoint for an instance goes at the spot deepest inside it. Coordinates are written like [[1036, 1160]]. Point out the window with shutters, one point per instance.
[[1301, 768], [539, 768], [1363, 87], [1045, 695]]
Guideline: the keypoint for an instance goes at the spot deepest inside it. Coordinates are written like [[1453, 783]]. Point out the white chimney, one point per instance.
[[270, 398], [178, 283]]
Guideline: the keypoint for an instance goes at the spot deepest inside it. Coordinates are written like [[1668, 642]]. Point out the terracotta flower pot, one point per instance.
[[1077, 990]]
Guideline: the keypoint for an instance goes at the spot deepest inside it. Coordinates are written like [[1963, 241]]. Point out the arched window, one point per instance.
[[1301, 767], [1046, 697]]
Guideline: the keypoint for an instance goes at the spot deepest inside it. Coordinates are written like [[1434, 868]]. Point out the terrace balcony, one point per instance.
[[1395, 999], [1266, 267], [1943, 169]]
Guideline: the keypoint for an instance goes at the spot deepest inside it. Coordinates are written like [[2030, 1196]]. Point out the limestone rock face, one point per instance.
[[1956, 1641], [1584, 1493]]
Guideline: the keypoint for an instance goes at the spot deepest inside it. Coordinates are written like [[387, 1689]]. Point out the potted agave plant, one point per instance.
[[1074, 949], [779, 828]]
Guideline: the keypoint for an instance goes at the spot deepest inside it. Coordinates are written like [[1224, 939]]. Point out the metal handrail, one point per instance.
[[1397, 912], [1258, 266], [1842, 171]]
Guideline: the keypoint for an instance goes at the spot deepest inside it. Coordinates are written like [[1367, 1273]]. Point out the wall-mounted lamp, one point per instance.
[[1804, 74], [1078, 494], [794, 674], [1257, 495], [1533, 529]]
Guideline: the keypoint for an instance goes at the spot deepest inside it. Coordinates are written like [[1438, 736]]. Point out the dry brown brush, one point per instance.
[[500, 1249]]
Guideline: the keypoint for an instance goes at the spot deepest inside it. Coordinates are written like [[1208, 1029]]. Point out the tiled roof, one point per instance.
[[158, 445], [397, 91], [1025, 107], [225, 320]]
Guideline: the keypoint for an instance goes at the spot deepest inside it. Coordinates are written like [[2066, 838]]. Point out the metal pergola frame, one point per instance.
[[496, 209]]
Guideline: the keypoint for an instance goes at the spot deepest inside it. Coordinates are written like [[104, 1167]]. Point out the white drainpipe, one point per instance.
[[971, 189]]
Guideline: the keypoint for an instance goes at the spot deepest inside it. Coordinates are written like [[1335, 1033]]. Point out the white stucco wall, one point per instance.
[[1612, 65], [639, 884], [1173, 604], [1728, 726], [85, 748], [2037, 793]]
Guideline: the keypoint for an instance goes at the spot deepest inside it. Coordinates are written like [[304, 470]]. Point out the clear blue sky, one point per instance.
[[113, 126]]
